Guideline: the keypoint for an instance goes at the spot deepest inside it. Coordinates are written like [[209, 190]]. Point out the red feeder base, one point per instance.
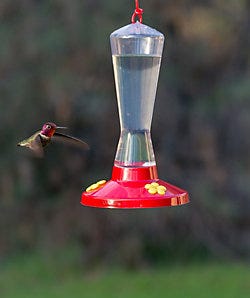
[[133, 188]]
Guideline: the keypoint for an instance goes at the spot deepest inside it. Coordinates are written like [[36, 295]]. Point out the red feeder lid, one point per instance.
[[133, 188]]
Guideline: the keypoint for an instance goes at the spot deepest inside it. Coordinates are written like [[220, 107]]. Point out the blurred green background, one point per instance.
[[55, 65]]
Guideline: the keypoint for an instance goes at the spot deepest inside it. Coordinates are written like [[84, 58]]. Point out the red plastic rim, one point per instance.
[[126, 189]]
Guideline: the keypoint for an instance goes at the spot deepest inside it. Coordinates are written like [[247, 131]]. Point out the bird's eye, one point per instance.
[[48, 126]]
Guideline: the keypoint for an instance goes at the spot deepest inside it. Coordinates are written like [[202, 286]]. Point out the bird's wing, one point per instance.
[[34, 143], [60, 137], [37, 147]]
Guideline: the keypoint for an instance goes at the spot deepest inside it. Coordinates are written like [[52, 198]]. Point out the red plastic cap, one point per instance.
[[134, 188]]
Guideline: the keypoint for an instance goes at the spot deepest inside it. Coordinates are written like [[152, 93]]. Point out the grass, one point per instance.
[[60, 277]]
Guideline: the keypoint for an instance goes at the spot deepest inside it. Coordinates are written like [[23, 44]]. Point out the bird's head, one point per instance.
[[49, 129]]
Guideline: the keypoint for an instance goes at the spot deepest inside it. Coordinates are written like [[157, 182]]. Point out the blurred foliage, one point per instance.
[[55, 64], [54, 276]]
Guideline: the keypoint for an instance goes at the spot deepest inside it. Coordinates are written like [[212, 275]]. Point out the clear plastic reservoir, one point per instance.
[[136, 54]]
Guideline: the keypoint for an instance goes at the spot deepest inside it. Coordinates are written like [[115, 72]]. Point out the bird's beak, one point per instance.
[[61, 127]]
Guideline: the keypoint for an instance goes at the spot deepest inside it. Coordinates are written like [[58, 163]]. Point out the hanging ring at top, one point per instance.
[[137, 13]]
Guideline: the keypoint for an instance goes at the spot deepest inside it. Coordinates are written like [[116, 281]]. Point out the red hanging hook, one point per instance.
[[137, 13]]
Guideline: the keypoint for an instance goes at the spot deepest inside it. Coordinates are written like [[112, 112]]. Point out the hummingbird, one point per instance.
[[43, 137]]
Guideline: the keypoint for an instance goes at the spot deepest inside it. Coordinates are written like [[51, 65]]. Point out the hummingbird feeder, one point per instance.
[[136, 53]]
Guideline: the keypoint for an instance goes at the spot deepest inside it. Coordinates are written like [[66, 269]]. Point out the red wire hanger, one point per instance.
[[137, 13]]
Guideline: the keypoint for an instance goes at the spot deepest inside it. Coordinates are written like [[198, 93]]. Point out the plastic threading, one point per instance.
[[137, 13]]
